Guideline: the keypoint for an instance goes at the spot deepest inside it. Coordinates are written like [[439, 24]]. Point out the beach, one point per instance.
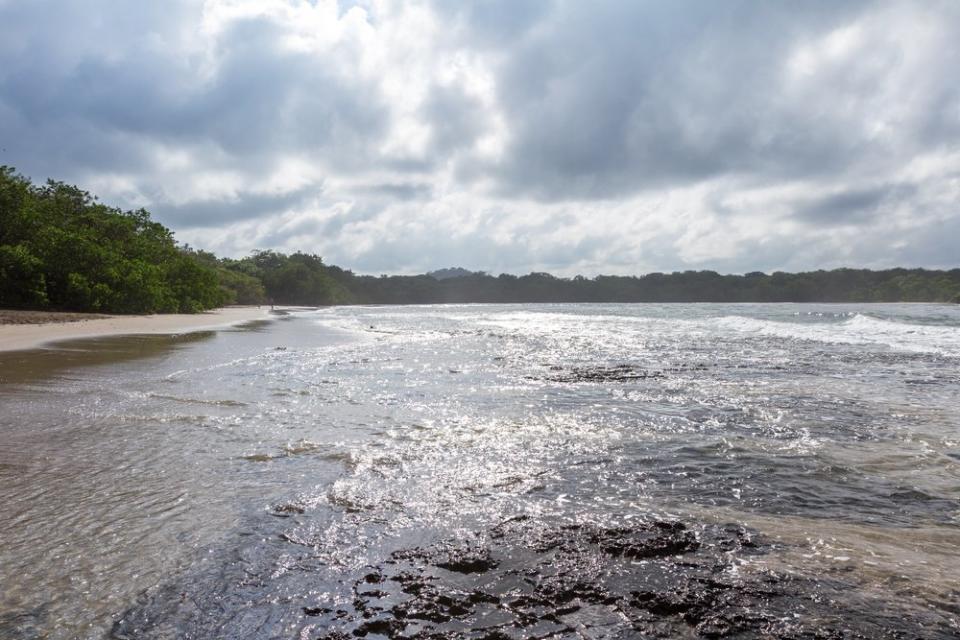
[[21, 330]]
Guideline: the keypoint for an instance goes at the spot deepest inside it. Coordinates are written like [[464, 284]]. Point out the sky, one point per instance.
[[616, 137]]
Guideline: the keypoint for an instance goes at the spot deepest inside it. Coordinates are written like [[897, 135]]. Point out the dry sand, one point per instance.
[[31, 329]]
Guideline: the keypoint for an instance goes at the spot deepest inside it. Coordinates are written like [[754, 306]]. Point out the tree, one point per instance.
[[61, 249]]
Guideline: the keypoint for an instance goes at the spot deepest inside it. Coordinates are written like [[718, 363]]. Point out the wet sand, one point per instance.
[[21, 330]]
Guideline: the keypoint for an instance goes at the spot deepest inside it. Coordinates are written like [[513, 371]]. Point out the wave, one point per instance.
[[858, 329], [614, 330], [203, 401]]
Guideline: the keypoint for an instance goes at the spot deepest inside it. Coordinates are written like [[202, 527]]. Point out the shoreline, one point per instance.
[[22, 337]]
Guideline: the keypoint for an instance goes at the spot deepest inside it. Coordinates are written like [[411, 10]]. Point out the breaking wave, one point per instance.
[[858, 329]]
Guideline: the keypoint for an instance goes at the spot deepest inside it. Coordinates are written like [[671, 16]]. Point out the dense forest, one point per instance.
[[839, 285], [62, 249]]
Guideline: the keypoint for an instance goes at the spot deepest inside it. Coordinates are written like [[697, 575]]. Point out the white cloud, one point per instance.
[[614, 137]]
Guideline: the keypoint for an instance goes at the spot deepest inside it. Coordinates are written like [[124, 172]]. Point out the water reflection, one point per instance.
[[250, 481]]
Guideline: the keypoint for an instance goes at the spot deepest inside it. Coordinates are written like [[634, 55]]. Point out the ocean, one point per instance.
[[490, 471]]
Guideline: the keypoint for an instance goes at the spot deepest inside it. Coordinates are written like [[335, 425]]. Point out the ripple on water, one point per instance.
[[675, 471]]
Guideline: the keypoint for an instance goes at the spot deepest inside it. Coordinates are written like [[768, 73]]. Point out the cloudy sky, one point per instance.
[[504, 135]]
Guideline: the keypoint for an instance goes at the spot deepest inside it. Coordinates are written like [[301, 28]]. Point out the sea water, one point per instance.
[[761, 470]]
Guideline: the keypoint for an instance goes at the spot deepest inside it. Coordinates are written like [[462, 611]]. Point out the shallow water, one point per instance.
[[242, 484]]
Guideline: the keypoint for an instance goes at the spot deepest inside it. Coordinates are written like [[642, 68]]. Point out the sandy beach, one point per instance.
[[20, 332]]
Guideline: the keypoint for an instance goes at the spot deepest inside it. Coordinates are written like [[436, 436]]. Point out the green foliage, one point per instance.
[[240, 287], [22, 283], [61, 249], [298, 279]]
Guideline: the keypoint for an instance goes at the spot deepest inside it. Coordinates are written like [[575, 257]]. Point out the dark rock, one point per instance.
[[287, 510], [526, 579], [615, 373]]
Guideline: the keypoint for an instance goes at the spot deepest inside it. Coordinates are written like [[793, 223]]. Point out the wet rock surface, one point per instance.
[[23, 625], [614, 373], [526, 579]]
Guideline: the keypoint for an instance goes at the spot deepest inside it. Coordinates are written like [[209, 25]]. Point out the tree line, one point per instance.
[[838, 285], [61, 249]]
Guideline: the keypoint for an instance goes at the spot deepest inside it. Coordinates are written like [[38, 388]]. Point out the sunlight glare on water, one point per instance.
[[306, 451]]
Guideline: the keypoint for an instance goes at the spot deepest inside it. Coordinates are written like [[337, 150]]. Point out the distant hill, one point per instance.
[[452, 272]]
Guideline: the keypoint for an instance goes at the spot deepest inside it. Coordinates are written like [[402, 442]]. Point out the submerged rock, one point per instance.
[[656, 579], [528, 579], [23, 625], [615, 373]]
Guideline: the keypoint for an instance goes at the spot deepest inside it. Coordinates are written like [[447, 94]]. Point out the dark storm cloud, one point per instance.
[[456, 120], [61, 149], [931, 245], [267, 99], [854, 206], [337, 224], [218, 212], [618, 97], [393, 191], [492, 23], [49, 57], [261, 99]]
